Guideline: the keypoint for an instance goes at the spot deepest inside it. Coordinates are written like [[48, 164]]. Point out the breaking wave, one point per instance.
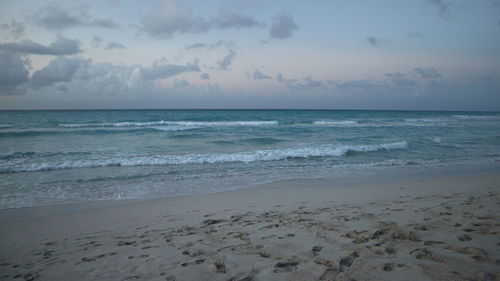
[[174, 123], [336, 123], [246, 157]]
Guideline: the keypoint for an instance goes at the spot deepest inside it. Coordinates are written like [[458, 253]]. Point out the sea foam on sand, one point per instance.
[[439, 225]]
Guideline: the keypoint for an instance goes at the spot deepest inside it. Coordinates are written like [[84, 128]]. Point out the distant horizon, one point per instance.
[[248, 109]]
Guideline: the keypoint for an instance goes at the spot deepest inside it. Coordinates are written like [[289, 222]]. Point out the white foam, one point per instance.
[[174, 123], [476, 117], [425, 120], [174, 128], [246, 157], [437, 140], [345, 123]]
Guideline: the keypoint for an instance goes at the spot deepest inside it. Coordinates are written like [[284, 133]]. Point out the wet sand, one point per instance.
[[434, 226]]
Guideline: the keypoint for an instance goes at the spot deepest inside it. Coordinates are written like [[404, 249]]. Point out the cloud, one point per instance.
[[359, 84], [226, 61], [114, 45], [427, 73], [13, 73], [283, 26], [204, 76], [200, 45], [62, 46], [170, 17], [196, 46], [400, 79], [54, 17], [96, 41], [280, 78], [234, 20], [61, 69], [307, 83], [304, 83], [442, 7], [159, 70], [105, 23], [258, 75], [14, 29], [374, 41]]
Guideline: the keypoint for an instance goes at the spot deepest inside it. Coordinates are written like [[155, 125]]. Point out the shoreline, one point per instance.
[[389, 174], [384, 227]]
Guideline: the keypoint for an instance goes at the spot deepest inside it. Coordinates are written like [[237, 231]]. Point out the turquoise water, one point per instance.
[[55, 157]]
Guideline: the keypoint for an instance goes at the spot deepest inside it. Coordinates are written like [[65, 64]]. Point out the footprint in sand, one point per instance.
[[285, 266]]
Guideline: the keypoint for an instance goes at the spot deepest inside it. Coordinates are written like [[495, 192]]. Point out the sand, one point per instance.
[[431, 225]]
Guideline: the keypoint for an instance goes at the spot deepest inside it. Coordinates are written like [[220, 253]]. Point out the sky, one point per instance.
[[322, 54]]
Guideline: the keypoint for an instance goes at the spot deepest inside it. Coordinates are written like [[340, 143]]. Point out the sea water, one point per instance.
[[57, 157]]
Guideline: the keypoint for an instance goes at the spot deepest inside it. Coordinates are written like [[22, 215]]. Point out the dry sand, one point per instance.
[[439, 226]]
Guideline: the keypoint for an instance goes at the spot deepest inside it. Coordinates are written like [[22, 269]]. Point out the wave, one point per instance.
[[175, 123], [174, 128], [89, 131], [34, 154], [257, 140], [425, 120], [245, 157], [336, 123], [476, 117]]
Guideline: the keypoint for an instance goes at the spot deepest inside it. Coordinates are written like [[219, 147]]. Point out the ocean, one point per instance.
[[59, 157]]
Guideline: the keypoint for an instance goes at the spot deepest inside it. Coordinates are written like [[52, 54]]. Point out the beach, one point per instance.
[[430, 224]]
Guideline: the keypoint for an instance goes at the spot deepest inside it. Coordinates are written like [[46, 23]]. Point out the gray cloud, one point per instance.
[[13, 73], [54, 17], [14, 29], [105, 23], [61, 69], [442, 7], [307, 83], [304, 83], [160, 70], [400, 79], [197, 46], [114, 45], [374, 41], [168, 18], [360, 84], [280, 78], [220, 43], [234, 20], [96, 41], [258, 75], [226, 61], [427, 73], [283, 26], [62, 46]]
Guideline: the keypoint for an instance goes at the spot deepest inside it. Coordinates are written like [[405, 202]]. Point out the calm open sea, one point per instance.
[[55, 157]]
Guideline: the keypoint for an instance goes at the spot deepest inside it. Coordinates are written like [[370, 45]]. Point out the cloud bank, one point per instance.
[[62, 46]]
